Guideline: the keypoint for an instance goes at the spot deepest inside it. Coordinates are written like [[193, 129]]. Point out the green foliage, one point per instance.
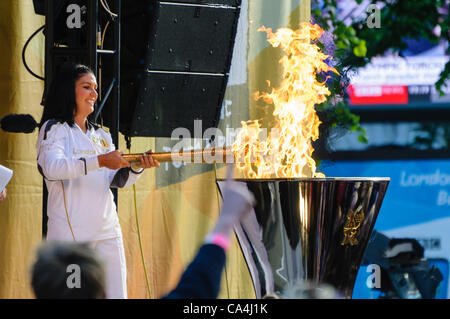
[[357, 43], [361, 49], [443, 77]]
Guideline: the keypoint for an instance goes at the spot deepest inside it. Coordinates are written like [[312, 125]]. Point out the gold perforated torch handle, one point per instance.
[[205, 156]]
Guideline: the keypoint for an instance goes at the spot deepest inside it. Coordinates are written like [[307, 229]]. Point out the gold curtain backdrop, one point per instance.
[[176, 204]]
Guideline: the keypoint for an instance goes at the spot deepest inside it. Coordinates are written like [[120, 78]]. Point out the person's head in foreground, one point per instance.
[[67, 270]]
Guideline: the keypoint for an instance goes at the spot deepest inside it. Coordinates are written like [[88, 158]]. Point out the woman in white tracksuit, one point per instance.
[[79, 163]]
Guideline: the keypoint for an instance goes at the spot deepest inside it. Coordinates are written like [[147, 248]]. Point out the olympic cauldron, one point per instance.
[[312, 230], [308, 230]]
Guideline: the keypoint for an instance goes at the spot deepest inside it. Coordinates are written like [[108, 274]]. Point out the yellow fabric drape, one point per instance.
[[177, 206], [21, 212]]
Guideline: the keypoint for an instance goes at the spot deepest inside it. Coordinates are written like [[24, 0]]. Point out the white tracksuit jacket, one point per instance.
[[67, 154]]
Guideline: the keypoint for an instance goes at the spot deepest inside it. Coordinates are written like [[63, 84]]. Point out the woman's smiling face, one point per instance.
[[85, 94]]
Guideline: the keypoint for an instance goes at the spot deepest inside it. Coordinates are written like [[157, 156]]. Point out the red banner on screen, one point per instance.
[[378, 94]]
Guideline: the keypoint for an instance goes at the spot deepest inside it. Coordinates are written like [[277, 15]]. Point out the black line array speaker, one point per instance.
[[175, 61]]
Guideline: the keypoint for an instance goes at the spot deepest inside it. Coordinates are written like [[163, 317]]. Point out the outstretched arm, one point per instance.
[[202, 277]]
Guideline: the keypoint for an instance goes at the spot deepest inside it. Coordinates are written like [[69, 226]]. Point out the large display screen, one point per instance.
[[402, 78], [399, 81]]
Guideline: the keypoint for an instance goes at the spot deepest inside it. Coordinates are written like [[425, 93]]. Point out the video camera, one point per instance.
[[405, 273]]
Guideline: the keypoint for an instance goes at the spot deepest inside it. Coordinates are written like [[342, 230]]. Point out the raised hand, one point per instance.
[[237, 203]]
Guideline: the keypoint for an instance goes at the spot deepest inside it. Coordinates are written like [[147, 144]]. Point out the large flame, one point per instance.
[[287, 151]]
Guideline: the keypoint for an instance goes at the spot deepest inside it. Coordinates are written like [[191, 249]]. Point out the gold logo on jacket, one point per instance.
[[97, 140], [104, 143]]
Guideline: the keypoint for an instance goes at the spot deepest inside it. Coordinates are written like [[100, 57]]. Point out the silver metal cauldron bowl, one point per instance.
[[308, 230]]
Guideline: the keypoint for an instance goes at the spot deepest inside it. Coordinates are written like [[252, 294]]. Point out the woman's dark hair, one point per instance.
[[59, 102]]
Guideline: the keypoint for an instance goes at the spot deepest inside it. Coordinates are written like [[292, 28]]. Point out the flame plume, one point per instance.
[[286, 153]]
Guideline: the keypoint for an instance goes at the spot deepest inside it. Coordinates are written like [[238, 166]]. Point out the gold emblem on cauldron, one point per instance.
[[352, 227]]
